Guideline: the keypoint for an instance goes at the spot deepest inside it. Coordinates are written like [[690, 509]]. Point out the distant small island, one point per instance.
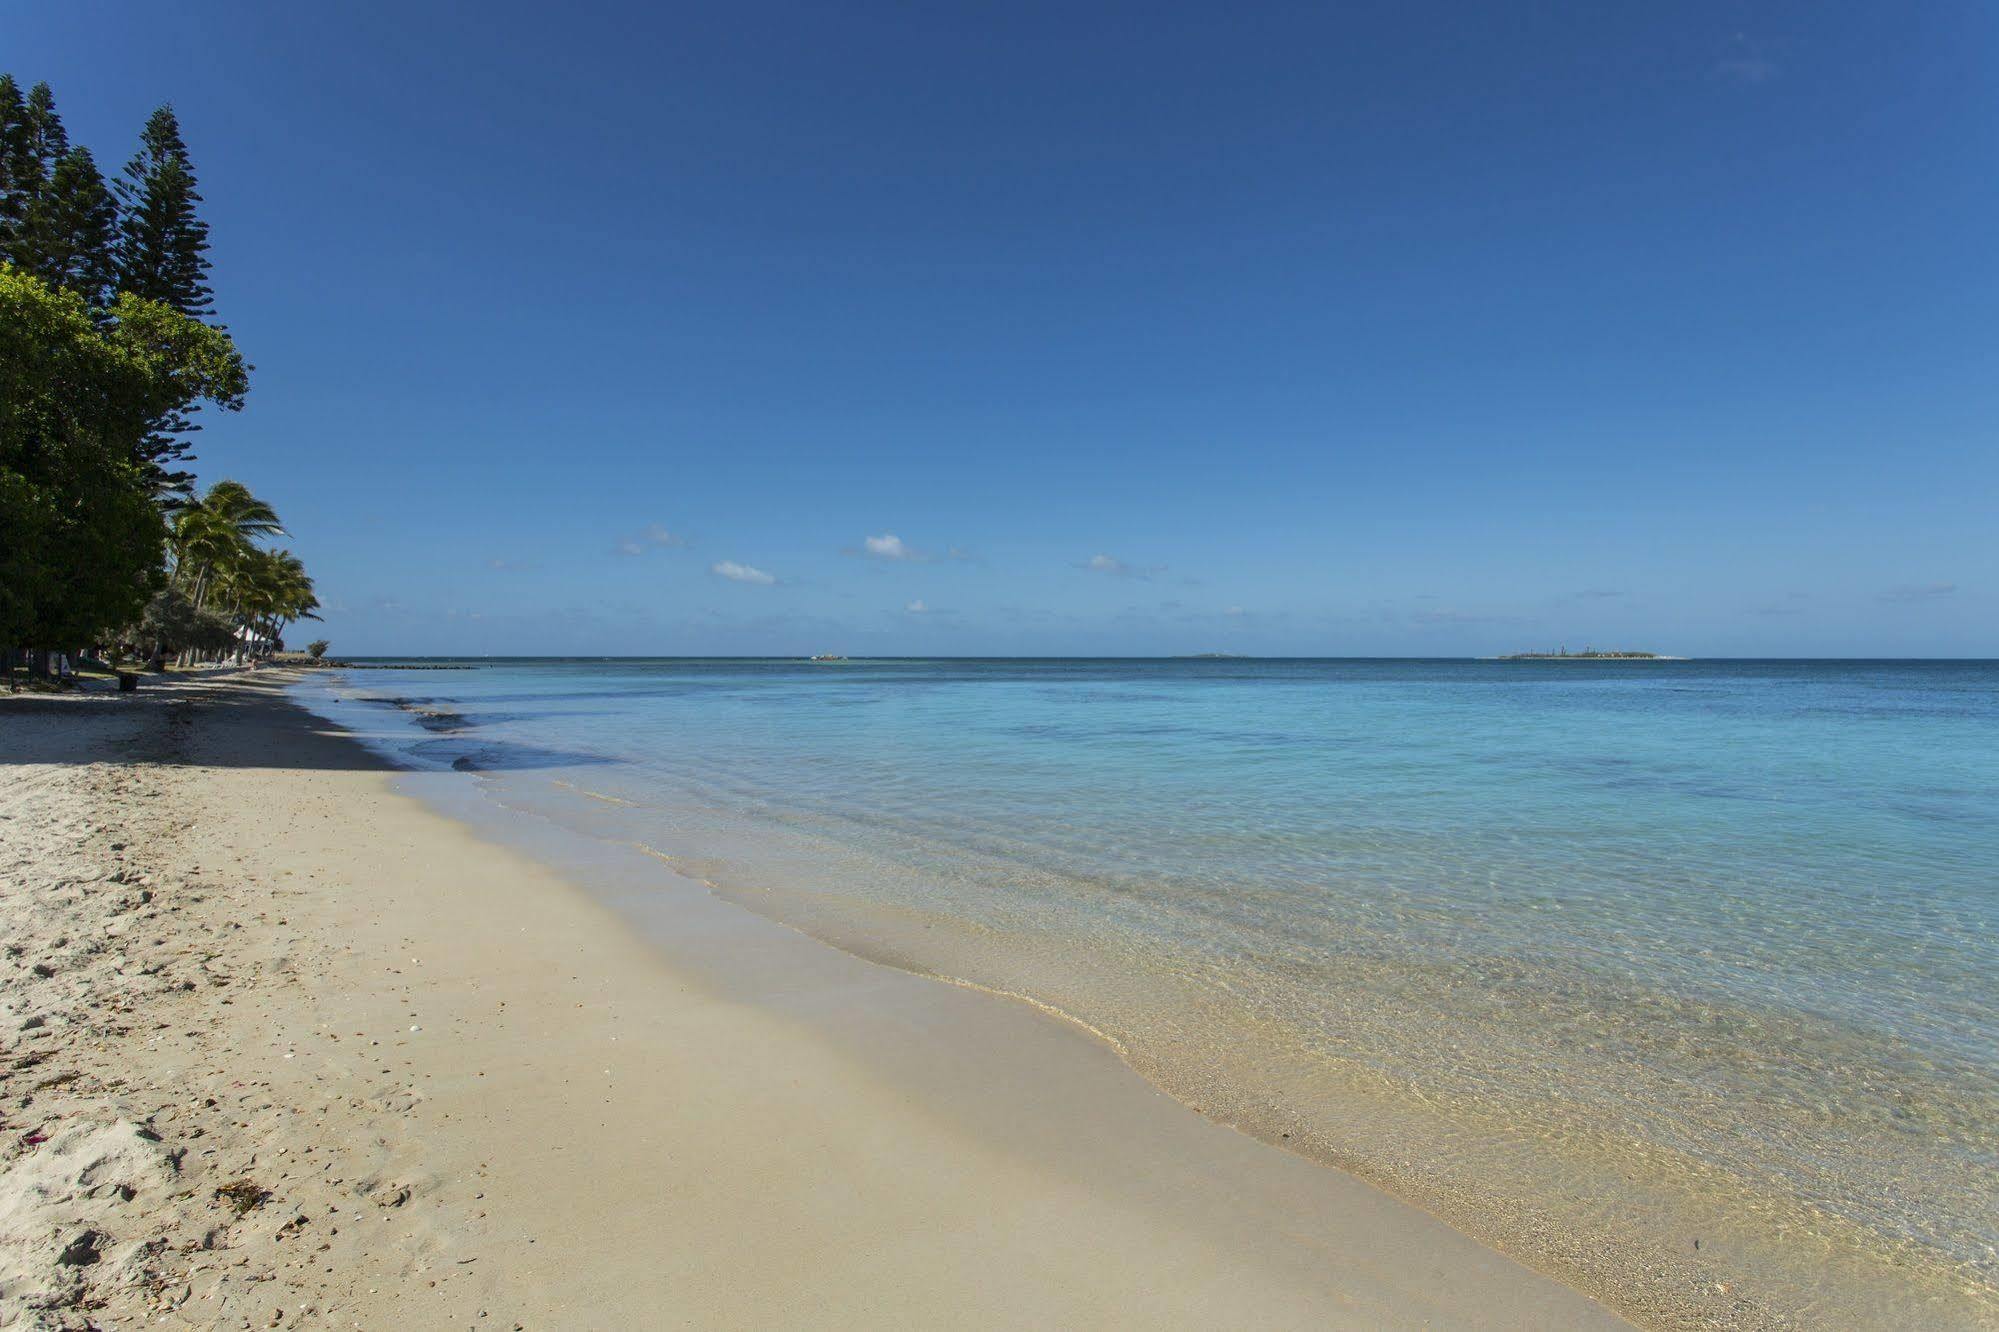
[[1587, 654]]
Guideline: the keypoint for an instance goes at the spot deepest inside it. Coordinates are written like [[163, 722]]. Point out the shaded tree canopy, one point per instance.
[[105, 354], [84, 541], [16, 174], [69, 236], [46, 141]]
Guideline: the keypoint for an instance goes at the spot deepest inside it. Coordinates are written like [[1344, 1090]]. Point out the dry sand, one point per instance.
[[280, 1046]]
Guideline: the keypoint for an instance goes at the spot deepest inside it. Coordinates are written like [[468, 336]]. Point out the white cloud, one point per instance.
[[1117, 568], [1235, 611], [655, 537], [916, 607], [889, 546], [741, 573]]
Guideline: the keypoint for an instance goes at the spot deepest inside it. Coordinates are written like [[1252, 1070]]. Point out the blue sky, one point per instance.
[[1370, 328]]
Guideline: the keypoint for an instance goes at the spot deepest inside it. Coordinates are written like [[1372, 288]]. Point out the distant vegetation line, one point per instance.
[[108, 348]]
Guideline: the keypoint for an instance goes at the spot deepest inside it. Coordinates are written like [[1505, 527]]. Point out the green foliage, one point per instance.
[[163, 248], [32, 144], [59, 221], [317, 648], [16, 175], [103, 359], [218, 563], [163, 256], [196, 363], [185, 362], [69, 236], [215, 532], [47, 141], [80, 537]]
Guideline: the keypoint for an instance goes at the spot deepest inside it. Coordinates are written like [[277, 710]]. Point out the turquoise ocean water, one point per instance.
[[1677, 979]]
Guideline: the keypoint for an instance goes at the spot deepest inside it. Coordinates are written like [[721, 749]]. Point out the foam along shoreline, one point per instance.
[[455, 1085]]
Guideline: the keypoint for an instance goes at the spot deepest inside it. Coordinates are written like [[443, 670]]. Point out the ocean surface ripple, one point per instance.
[[1677, 979]]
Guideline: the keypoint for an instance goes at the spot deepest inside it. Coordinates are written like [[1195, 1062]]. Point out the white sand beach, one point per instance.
[[281, 1046]]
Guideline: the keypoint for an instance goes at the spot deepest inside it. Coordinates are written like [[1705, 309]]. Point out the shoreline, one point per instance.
[[561, 1125], [1672, 1212]]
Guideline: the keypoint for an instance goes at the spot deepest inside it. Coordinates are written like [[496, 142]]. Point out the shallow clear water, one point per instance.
[[1596, 960]]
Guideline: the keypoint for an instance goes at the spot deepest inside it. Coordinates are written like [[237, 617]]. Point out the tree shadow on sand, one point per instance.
[[244, 721]]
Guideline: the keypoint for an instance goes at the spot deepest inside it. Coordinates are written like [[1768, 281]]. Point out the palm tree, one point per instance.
[[296, 599], [275, 591], [213, 541], [265, 590], [216, 528]]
